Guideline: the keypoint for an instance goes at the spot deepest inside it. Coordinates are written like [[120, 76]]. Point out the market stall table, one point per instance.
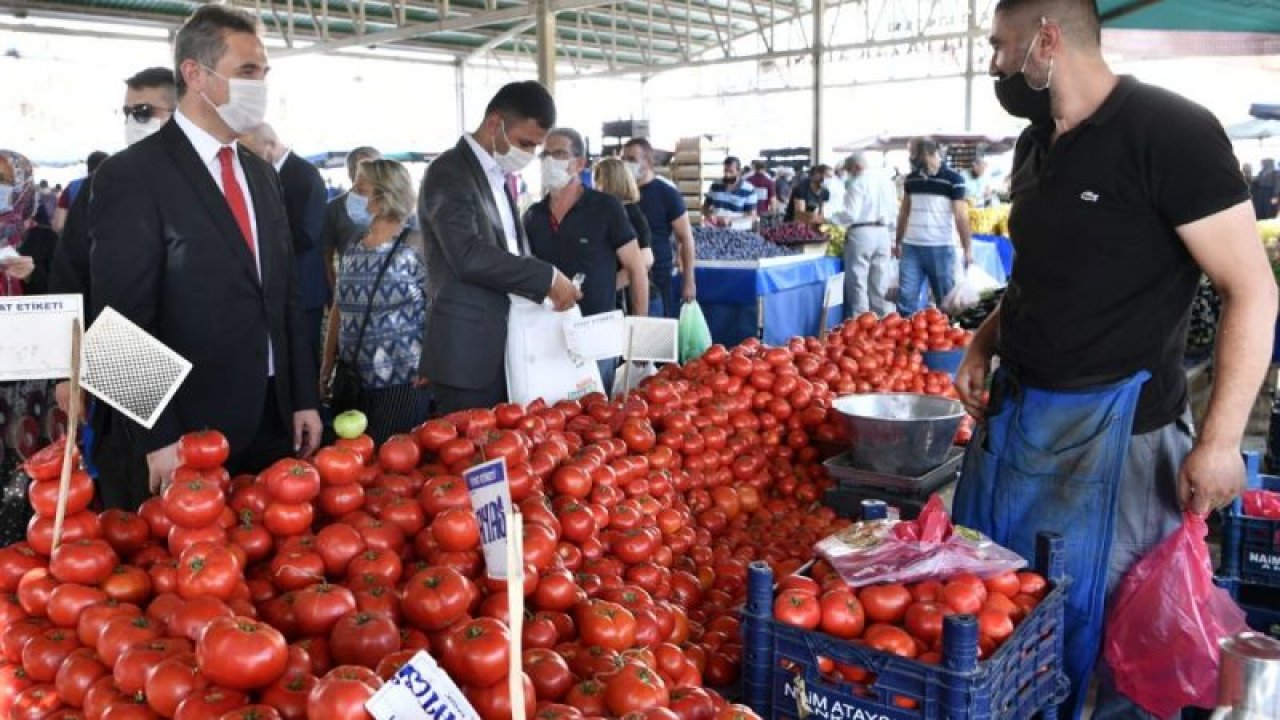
[[774, 298]]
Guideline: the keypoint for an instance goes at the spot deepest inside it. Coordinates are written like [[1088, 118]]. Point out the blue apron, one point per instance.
[[1051, 460]]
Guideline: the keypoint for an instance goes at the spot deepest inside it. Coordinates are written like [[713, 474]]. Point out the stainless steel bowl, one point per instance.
[[906, 434]]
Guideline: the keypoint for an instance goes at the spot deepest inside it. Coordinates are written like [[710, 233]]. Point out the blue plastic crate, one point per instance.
[[1023, 679], [1261, 604], [947, 361], [1251, 546]]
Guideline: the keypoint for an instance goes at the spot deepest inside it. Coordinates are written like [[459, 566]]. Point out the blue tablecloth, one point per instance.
[[1003, 247], [791, 296]]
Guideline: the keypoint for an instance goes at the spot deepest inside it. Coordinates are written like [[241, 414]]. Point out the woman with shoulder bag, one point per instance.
[[376, 325]]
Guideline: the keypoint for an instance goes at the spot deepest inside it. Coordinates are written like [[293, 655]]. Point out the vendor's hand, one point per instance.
[[160, 466], [421, 382], [690, 291], [971, 381], [1211, 477], [19, 268], [563, 294], [896, 251], [307, 430]]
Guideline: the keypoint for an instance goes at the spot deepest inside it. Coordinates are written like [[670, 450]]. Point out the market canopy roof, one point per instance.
[[1256, 129], [1257, 16]]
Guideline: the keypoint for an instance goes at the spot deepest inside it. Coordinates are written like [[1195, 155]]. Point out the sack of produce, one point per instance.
[[927, 548], [1165, 624], [695, 334], [968, 290]]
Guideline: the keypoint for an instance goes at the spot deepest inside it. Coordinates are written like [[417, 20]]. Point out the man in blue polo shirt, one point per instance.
[[933, 214], [733, 197]]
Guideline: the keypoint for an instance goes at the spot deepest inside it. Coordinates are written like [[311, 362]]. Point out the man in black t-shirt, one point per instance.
[[810, 196], [1122, 193]]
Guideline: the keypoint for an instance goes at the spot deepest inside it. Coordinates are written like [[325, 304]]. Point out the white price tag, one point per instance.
[[420, 691], [491, 499], [598, 336], [35, 336]]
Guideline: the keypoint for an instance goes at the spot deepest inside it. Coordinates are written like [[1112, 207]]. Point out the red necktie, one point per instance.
[[235, 196]]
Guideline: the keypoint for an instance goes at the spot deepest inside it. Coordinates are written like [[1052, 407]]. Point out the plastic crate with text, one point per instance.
[[1251, 545], [1023, 679]]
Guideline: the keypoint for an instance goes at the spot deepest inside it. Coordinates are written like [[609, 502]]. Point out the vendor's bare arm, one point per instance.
[[971, 376], [1226, 247]]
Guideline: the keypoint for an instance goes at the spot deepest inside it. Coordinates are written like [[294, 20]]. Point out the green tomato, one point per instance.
[[350, 424]]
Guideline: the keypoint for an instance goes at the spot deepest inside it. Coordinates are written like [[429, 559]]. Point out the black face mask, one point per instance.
[[1020, 99]]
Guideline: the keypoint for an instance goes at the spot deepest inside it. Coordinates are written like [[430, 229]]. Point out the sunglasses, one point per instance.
[[143, 112]]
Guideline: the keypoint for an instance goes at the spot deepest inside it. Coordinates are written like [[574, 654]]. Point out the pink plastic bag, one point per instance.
[[1166, 620], [927, 548]]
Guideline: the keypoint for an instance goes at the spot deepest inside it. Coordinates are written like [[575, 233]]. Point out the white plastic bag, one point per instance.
[[539, 364], [968, 291], [624, 382]]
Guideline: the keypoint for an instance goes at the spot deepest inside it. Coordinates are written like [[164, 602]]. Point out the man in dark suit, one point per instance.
[[304, 204], [190, 241], [477, 253]]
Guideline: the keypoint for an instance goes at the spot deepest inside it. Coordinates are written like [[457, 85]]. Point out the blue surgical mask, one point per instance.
[[358, 209], [6, 197]]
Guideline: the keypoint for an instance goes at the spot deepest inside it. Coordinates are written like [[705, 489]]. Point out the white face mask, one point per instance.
[[635, 169], [514, 159], [246, 106], [135, 131], [6, 197], [555, 173]]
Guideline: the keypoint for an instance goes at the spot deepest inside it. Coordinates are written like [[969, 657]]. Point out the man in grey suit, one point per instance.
[[477, 253]]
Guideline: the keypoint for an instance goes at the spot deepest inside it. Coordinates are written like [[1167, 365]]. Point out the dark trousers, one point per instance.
[[273, 440], [661, 301], [315, 331], [451, 399]]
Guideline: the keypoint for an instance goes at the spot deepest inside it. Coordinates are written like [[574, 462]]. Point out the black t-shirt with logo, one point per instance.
[[586, 241], [1102, 284]]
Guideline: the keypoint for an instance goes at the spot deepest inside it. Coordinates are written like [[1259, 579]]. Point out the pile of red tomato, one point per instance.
[[905, 619], [293, 594]]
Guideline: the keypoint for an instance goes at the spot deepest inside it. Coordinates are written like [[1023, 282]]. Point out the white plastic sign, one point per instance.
[[420, 691], [597, 337], [491, 499], [35, 336], [835, 291]]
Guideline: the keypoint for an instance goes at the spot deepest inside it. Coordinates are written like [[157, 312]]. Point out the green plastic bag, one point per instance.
[[695, 336]]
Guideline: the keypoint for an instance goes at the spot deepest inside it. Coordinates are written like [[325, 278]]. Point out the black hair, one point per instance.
[[94, 160], [645, 146], [152, 77], [201, 37], [732, 160], [1079, 19], [526, 100]]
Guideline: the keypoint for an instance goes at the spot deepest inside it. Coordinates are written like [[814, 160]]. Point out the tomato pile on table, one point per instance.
[[295, 593]]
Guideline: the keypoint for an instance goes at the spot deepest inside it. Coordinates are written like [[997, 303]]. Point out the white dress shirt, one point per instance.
[[498, 186], [872, 198], [207, 147]]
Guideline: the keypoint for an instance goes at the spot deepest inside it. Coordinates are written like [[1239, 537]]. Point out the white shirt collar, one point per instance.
[[487, 162], [283, 158], [206, 145]]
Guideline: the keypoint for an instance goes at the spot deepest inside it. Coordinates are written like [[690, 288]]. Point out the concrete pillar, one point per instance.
[[460, 93], [545, 18], [969, 71]]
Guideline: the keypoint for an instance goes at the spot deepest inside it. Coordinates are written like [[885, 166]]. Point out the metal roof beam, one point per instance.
[[478, 19], [504, 37]]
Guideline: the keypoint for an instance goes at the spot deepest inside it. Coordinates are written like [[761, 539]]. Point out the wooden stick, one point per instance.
[[515, 609], [73, 420], [626, 360]]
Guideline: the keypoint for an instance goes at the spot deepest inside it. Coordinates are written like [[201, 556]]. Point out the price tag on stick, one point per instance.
[[491, 499], [420, 691]]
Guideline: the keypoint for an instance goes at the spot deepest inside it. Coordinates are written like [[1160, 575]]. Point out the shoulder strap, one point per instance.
[[368, 308]]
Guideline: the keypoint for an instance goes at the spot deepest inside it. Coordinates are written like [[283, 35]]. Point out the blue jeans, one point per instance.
[[920, 263]]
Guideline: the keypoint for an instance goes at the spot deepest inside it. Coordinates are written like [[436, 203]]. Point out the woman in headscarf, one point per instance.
[[26, 408], [17, 208]]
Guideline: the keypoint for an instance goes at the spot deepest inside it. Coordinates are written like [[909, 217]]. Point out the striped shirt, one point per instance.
[[739, 199], [932, 220]]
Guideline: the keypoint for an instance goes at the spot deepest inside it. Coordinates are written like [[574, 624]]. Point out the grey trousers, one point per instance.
[[1147, 512], [866, 271]]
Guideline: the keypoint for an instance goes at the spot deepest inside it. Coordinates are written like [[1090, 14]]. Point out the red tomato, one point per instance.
[[606, 624], [341, 694], [494, 702], [360, 638], [924, 620], [887, 638], [479, 652], [137, 662], [436, 598], [1032, 584], [285, 519], [241, 654], [885, 603], [252, 712], [121, 632], [292, 481], [842, 614], [44, 653], [83, 561], [67, 601], [319, 607], [193, 504], [288, 695], [338, 465], [206, 569], [44, 495], [548, 672], [173, 680], [203, 450], [456, 529], [399, 454], [963, 597], [212, 702], [994, 624]]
